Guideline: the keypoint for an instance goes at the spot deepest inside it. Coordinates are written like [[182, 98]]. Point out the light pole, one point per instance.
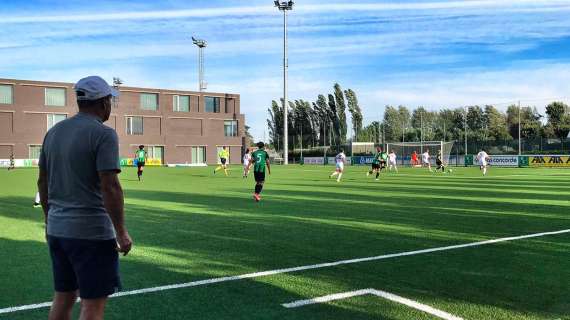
[[201, 44], [285, 6], [520, 145], [465, 129]]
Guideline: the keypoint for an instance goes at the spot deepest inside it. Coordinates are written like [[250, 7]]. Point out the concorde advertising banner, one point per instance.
[[549, 161], [504, 161]]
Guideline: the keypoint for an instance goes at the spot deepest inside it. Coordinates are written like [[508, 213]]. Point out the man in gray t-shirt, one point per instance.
[[82, 201]]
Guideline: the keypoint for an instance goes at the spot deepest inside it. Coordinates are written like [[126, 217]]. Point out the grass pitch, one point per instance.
[[189, 225]]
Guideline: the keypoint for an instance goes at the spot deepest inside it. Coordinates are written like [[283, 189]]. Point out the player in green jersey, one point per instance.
[[376, 163], [259, 160], [140, 156], [224, 155]]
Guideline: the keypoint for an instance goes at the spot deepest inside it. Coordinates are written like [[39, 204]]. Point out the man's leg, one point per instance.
[[93, 309], [62, 305], [226, 170]]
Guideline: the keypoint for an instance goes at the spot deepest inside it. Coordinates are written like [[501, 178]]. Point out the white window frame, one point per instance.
[[55, 105], [234, 133], [176, 103], [52, 115], [141, 101], [11, 101], [30, 150], [204, 154], [129, 125]]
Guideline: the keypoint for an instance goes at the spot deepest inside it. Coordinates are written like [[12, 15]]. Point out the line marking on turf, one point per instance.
[[378, 293], [295, 269]]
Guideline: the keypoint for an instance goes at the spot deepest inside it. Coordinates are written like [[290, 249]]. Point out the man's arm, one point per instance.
[[43, 190], [114, 204], [268, 166]]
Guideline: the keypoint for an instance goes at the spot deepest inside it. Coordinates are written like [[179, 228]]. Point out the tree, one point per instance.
[[496, 123], [335, 119], [275, 124], [530, 122], [248, 137], [355, 112], [558, 119], [341, 112]]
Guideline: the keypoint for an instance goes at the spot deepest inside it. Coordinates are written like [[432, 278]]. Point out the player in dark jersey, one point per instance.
[[376, 163], [383, 159], [439, 162], [259, 160], [140, 156]]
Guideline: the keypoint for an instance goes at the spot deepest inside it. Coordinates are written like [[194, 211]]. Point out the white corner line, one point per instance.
[[379, 293], [294, 269]]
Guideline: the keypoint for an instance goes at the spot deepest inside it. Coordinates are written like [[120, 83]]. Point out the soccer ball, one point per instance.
[[450, 170]]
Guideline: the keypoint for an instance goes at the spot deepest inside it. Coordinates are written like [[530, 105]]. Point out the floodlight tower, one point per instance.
[[285, 6], [201, 44]]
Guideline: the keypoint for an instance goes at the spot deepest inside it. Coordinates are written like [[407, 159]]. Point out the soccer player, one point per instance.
[[482, 159], [425, 160], [383, 160], [340, 160], [392, 161], [12, 162], [415, 161], [376, 163], [439, 162], [246, 160], [224, 154], [140, 155], [259, 159]]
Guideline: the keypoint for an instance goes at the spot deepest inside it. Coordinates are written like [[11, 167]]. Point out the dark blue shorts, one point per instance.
[[90, 266]]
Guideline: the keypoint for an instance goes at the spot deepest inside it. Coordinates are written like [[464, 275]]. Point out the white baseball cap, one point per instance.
[[94, 88]]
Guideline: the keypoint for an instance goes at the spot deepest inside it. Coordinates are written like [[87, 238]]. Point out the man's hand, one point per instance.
[[124, 242]]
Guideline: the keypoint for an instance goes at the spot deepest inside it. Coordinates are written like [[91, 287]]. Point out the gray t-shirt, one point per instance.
[[73, 153]]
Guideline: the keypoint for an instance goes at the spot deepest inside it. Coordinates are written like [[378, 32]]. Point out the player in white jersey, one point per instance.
[[392, 161], [482, 160], [340, 159], [246, 160], [425, 160]]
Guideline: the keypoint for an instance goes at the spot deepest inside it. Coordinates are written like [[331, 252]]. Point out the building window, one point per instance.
[[52, 119], [156, 152], [149, 101], [134, 125], [34, 151], [181, 104], [212, 104], [230, 128], [55, 97], [6, 95], [199, 155]]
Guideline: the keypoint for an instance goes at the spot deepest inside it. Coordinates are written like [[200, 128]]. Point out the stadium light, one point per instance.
[[201, 44], [285, 6]]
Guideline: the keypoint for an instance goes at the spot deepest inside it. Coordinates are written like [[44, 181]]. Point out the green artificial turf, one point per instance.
[[188, 224]]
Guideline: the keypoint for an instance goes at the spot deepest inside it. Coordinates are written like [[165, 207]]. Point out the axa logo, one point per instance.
[[555, 160], [538, 160]]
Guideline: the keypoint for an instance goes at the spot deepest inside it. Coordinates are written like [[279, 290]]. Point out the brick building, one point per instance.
[[177, 127]]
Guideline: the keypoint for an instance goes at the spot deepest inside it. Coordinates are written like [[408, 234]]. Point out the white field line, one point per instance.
[[379, 293], [295, 269]]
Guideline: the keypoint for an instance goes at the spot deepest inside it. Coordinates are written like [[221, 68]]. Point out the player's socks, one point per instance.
[[226, 172], [377, 174], [257, 189], [339, 177]]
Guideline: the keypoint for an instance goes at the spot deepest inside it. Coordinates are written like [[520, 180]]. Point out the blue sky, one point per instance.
[[433, 53]]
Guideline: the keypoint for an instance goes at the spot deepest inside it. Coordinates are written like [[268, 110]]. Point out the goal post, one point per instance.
[[404, 150]]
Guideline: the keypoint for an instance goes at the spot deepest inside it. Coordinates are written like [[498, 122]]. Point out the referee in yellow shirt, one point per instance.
[[224, 155]]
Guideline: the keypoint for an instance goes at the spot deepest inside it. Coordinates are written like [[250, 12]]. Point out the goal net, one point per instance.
[[404, 150], [362, 148]]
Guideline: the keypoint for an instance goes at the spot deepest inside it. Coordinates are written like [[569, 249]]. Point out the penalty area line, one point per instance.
[[295, 269], [379, 293]]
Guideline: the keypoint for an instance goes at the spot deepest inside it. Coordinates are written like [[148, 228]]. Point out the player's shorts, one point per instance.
[[140, 164], [259, 176], [223, 161], [383, 163], [340, 166], [375, 166], [393, 163], [92, 266], [438, 162], [483, 163]]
